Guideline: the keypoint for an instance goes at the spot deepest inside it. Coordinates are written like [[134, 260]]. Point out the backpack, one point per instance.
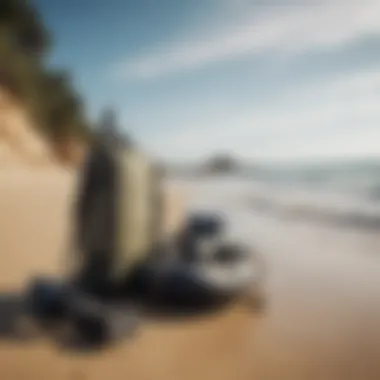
[[119, 210]]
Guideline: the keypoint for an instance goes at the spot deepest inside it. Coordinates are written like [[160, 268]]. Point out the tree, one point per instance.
[[50, 95], [27, 31], [64, 112]]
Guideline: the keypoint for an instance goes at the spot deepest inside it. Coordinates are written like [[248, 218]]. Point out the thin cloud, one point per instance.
[[284, 30], [331, 118]]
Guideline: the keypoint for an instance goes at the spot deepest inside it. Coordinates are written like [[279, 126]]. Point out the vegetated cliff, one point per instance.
[[20, 142], [40, 108]]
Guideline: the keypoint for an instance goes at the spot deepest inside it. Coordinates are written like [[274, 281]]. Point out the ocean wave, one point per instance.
[[317, 206], [292, 203]]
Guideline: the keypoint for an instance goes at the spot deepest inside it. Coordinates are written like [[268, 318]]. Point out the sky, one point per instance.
[[265, 80]]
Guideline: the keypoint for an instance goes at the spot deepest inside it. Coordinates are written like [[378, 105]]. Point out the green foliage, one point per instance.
[[28, 33], [50, 95]]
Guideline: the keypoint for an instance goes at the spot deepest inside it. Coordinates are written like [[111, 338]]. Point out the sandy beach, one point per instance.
[[323, 289]]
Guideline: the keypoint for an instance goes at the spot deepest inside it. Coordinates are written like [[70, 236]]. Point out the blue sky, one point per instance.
[[263, 79]]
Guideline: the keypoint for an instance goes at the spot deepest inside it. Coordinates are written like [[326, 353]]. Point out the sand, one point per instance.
[[323, 291], [34, 236], [21, 144]]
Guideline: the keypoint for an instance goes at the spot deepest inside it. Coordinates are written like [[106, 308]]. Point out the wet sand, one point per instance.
[[321, 323]]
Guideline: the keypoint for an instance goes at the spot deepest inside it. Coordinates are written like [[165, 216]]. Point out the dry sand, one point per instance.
[[20, 143], [34, 230], [321, 324]]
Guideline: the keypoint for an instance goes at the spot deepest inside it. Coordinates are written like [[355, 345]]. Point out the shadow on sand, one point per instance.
[[13, 319], [17, 327]]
